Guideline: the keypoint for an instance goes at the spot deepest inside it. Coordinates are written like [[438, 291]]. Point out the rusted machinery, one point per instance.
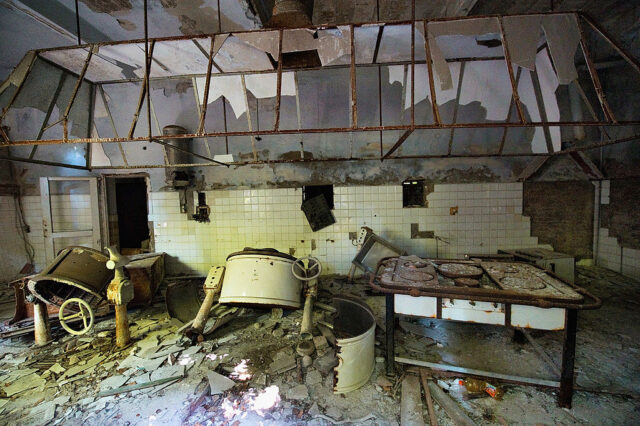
[[119, 293], [307, 269], [211, 288], [261, 277], [76, 281], [72, 290]]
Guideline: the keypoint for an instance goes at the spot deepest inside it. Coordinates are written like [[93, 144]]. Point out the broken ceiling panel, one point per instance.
[[236, 55], [98, 156], [486, 82], [267, 41], [563, 37], [365, 43], [299, 40], [523, 36], [260, 85], [182, 57], [548, 86], [462, 48], [334, 46], [128, 57], [395, 44]]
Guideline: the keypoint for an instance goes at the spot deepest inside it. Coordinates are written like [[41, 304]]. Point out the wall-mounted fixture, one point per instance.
[[311, 191], [202, 209]]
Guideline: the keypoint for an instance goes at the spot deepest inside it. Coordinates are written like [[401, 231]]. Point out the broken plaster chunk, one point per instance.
[[282, 363], [166, 372], [226, 339], [299, 392], [79, 368], [30, 381], [219, 383], [113, 382], [320, 343], [313, 378], [307, 361]]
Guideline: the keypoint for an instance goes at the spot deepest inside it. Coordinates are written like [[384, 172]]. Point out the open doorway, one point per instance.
[[127, 209]]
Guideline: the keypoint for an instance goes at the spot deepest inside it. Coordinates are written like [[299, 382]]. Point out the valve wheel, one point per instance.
[[84, 312], [306, 271]]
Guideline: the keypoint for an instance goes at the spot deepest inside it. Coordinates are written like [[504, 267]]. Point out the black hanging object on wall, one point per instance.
[[318, 213]]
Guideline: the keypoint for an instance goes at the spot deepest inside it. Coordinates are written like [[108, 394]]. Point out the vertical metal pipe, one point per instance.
[[148, 55], [432, 87], [78, 24], [276, 125], [594, 76], [352, 69], [413, 60], [507, 58], [506, 129], [457, 105], [207, 83]]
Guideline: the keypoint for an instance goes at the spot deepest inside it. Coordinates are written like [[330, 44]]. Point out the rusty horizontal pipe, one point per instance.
[[44, 163], [331, 130], [405, 157]]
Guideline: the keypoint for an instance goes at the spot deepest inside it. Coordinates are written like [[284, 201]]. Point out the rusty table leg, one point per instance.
[[568, 358], [389, 325]]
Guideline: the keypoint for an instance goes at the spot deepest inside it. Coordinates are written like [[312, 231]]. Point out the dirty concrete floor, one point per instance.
[[59, 383]]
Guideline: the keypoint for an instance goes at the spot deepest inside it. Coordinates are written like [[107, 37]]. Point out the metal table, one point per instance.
[[506, 293]]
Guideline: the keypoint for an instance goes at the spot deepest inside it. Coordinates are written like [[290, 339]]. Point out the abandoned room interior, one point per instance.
[[372, 212]]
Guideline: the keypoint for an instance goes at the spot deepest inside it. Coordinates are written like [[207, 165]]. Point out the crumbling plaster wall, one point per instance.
[[618, 233], [561, 215]]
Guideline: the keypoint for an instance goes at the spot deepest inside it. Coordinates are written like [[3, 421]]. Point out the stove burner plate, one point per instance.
[[459, 270], [528, 279]]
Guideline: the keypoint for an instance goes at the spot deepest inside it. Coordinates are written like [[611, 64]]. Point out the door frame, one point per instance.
[[105, 204], [47, 224]]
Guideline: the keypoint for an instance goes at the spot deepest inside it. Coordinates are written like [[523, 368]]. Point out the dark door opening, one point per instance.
[[131, 207]]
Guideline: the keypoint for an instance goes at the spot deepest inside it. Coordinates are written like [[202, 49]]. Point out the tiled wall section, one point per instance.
[[610, 255], [489, 217], [12, 252], [69, 212]]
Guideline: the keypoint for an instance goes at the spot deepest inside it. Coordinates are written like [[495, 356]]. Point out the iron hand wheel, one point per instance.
[[306, 271], [84, 312]]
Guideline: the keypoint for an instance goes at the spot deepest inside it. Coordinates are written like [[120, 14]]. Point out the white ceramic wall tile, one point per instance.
[[12, 250], [489, 217]]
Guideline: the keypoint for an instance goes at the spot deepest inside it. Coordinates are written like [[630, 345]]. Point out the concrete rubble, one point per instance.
[[244, 374]]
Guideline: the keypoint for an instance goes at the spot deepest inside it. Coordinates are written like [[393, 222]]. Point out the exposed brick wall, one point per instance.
[[561, 215], [622, 215]]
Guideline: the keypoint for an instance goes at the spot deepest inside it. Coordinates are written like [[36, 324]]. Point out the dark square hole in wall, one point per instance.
[[413, 193], [311, 191]]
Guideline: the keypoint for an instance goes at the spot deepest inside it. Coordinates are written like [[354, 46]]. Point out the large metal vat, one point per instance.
[[261, 277]]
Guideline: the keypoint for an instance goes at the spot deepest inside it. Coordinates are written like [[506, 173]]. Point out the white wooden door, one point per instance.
[[70, 213]]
